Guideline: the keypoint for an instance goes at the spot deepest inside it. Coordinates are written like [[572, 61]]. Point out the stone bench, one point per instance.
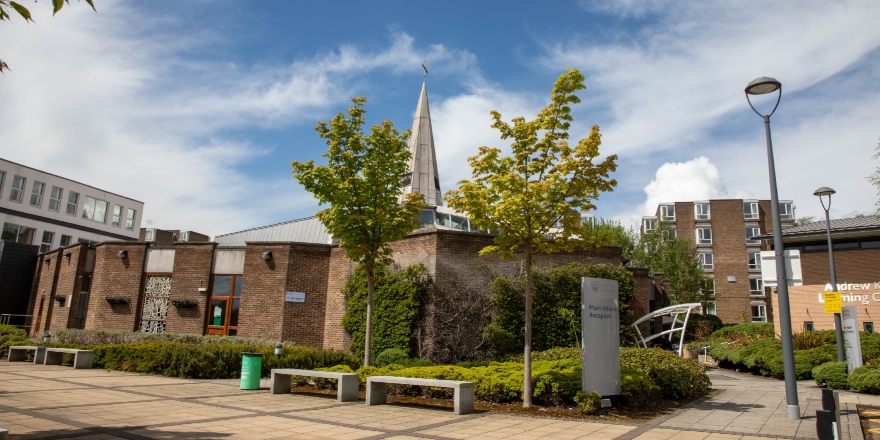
[[18, 353], [81, 358], [377, 390], [347, 388]]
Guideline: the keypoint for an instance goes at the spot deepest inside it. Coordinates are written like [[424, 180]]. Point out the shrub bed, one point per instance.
[[9, 336], [832, 375], [865, 379]]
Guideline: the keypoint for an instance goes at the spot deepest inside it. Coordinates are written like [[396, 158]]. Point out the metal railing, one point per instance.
[[20, 321]]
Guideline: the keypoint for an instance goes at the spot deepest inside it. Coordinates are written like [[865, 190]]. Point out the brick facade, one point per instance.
[[857, 266], [116, 277], [192, 270]]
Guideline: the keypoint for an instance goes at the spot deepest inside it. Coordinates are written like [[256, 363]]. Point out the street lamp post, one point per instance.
[[761, 86], [838, 327]]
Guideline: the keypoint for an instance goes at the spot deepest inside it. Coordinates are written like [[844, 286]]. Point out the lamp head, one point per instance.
[[267, 255], [47, 260], [67, 255], [122, 254], [762, 86], [824, 191]]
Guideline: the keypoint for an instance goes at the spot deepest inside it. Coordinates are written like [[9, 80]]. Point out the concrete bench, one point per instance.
[[348, 382], [377, 390], [81, 358], [18, 353]]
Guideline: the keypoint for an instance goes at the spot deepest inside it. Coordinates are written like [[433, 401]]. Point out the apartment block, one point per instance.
[[724, 232]]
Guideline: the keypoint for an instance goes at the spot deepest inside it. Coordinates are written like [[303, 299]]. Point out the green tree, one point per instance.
[[361, 183], [542, 184], [7, 5], [613, 232], [677, 258]]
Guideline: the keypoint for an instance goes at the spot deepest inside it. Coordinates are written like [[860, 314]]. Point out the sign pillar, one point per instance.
[[851, 339], [600, 325]]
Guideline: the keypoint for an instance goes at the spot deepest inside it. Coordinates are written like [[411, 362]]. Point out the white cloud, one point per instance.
[[696, 179], [118, 101]]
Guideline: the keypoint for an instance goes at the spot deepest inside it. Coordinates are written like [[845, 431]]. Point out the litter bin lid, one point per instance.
[[252, 354]]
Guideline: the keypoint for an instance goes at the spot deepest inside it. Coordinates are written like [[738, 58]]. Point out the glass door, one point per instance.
[[224, 306]]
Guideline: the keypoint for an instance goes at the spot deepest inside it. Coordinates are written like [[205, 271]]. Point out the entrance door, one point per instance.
[[224, 305]]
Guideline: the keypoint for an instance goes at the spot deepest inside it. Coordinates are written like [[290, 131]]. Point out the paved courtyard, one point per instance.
[[55, 402]]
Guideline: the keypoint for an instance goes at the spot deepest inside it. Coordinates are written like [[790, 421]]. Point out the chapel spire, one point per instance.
[[422, 174]]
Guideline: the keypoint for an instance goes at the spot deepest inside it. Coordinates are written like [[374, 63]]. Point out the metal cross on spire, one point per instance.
[[425, 66]]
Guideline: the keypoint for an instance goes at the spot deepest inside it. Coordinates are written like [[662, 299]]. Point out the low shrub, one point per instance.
[[764, 330], [638, 390], [870, 346], [10, 335], [831, 374], [399, 357], [678, 378], [104, 337], [808, 340], [588, 402], [700, 327], [865, 379]]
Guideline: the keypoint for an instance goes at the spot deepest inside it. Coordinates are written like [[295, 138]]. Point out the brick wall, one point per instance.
[[307, 272], [68, 284], [857, 266], [117, 277], [192, 270], [45, 292], [729, 254], [640, 304], [339, 269], [684, 220]]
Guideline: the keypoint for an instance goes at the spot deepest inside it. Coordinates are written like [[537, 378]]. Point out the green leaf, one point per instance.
[[21, 11], [3, 66], [92, 5], [56, 6]]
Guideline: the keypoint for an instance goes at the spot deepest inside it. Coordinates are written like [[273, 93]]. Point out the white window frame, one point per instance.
[[72, 204], [711, 309], [756, 257], [62, 243], [755, 232], [649, 222], [55, 202], [46, 246], [701, 211], [130, 216], [753, 207], [703, 264], [37, 190], [762, 313], [664, 212], [704, 237], [116, 219], [2, 179], [17, 192], [90, 210], [759, 290], [786, 211], [712, 289]]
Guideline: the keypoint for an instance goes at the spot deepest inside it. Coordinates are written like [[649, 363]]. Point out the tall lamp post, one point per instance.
[[838, 332], [762, 86]]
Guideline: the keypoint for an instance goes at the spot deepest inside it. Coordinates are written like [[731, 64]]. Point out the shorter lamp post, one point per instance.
[[838, 332], [278, 350], [46, 338]]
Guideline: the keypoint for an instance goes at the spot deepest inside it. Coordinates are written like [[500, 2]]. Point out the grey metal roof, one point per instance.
[[853, 227], [305, 230]]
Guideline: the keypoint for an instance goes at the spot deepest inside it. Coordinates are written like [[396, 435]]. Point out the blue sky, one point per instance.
[[197, 108]]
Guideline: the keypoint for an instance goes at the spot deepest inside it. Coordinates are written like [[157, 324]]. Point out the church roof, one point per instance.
[[422, 175]]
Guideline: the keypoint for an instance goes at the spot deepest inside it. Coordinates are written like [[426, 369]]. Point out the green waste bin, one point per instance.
[[251, 368]]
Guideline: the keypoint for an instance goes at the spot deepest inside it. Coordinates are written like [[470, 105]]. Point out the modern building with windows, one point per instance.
[[725, 233], [50, 211], [856, 244]]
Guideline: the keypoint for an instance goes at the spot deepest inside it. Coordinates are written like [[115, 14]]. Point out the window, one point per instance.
[[117, 215], [17, 188], [752, 232], [2, 178], [18, 234], [704, 236], [37, 194], [55, 199], [756, 287], [588, 219], [754, 260], [65, 240], [868, 326], [46, 244], [72, 199], [95, 210], [786, 212], [649, 225], [759, 313], [706, 260], [129, 219], [667, 212], [808, 326], [669, 233], [710, 309], [701, 211], [150, 235], [711, 287], [750, 210], [225, 304]]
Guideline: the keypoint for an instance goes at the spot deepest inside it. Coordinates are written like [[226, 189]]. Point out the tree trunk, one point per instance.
[[369, 333], [527, 356]]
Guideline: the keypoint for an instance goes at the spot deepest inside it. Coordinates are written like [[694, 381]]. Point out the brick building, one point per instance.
[[724, 232], [856, 252]]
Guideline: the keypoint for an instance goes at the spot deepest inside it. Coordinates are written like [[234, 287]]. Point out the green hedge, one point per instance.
[[207, 361], [865, 379], [756, 330], [10, 335], [832, 375], [556, 307], [395, 308]]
